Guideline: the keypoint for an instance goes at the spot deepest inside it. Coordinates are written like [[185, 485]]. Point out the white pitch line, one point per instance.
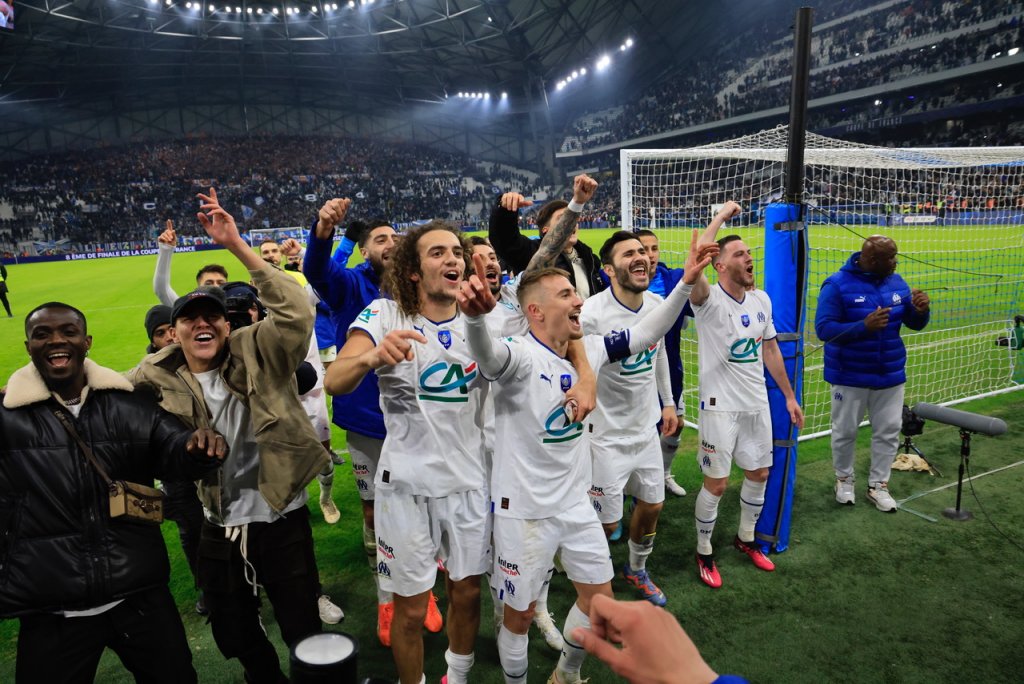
[[954, 484]]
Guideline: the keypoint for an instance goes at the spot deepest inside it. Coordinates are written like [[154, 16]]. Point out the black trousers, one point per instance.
[[183, 507], [144, 630], [280, 555], [3, 298]]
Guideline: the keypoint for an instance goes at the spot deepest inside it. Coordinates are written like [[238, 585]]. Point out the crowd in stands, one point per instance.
[[123, 195], [750, 72]]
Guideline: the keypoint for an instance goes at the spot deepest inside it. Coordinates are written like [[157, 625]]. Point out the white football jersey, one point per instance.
[[730, 335], [507, 319], [433, 406], [541, 459], [627, 392]]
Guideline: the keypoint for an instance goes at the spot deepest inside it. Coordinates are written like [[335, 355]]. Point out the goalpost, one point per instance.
[[957, 215]]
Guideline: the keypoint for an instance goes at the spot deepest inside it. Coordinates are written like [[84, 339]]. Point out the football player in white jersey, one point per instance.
[[624, 444], [735, 343], [431, 490], [541, 467]]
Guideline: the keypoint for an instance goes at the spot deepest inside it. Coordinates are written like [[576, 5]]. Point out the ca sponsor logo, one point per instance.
[[745, 350], [558, 428], [383, 569], [367, 314], [448, 382], [508, 568], [641, 363], [385, 550], [706, 447]]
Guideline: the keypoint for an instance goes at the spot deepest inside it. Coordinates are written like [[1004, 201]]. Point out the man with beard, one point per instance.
[[346, 292], [735, 344], [535, 518], [860, 311], [431, 488], [624, 443], [79, 579]]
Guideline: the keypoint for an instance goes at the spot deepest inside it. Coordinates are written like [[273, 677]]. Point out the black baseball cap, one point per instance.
[[205, 294]]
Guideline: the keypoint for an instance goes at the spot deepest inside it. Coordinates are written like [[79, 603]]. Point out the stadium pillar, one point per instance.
[[785, 281]]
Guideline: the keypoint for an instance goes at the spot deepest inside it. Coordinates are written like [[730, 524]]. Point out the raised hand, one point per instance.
[[291, 247], [920, 300], [698, 258], [208, 441], [729, 210], [877, 319], [583, 188], [218, 224], [512, 201], [474, 295], [394, 348], [331, 214], [168, 237]]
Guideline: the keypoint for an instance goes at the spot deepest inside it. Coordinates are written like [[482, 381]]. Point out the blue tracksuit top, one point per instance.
[[853, 355], [662, 282], [346, 292]]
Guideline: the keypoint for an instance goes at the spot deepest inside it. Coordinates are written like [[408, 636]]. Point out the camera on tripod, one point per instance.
[[913, 424]]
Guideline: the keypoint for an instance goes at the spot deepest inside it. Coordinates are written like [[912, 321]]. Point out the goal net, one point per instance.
[[956, 214]]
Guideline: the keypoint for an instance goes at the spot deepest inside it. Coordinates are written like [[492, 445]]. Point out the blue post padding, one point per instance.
[[785, 269]]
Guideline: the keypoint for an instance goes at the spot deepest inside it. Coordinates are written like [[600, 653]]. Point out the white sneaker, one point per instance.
[[880, 496], [546, 624], [673, 487], [330, 613], [330, 511], [844, 491]]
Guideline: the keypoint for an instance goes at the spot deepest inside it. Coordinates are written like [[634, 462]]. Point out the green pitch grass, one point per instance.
[[860, 596]]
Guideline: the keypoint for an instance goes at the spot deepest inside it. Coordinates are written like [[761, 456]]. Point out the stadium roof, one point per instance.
[[371, 53]]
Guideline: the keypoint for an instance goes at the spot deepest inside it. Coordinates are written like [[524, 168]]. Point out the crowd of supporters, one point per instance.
[[122, 195], [750, 72]]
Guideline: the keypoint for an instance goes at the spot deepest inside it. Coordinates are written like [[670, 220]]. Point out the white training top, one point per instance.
[[433, 406], [541, 460], [627, 392], [730, 334]]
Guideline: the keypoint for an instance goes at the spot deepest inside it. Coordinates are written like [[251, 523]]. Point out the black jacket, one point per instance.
[[516, 250], [59, 547]]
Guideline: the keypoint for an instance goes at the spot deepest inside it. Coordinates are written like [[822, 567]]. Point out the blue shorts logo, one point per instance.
[[559, 429], [445, 338]]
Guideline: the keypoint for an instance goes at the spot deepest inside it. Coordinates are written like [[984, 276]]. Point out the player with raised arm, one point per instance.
[[535, 518], [624, 445], [431, 497], [735, 343]]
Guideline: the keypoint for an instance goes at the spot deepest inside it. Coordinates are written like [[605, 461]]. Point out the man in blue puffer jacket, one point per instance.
[[860, 311]]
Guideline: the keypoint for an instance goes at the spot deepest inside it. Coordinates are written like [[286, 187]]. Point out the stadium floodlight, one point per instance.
[[629, 42], [487, 96], [999, 85], [461, 94], [212, 9], [489, 20], [604, 62], [238, 10], [248, 10], [561, 84], [168, 2], [274, 11], [504, 95], [1012, 51], [622, 48], [583, 71], [313, 9], [259, 10], [998, 54], [878, 103], [188, 5], [351, 4], [575, 73]]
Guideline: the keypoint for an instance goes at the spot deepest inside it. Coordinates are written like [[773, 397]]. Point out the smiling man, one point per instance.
[[257, 531], [80, 580], [735, 345]]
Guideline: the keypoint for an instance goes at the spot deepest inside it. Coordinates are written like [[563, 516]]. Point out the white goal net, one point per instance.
[[957, 215]]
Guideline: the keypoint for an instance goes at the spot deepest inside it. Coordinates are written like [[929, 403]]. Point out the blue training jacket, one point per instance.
[[346, 292], [853, 355], [662, 283]]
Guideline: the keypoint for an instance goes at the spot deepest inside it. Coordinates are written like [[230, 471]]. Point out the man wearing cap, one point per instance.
[[257, 530]]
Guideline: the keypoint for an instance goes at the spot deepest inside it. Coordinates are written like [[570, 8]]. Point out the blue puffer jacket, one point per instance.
[[853, 355]]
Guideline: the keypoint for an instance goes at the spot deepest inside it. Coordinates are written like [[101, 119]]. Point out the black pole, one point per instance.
[[798, 106]]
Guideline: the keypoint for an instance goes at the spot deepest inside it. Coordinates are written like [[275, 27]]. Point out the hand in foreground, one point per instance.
[[920, 300], [729, 210], [700, 255], [877, 319], [394, 348], [168, 237], [583, 188], [474, 295], [669, 421], [512, 201], [218, 224], [655, 649], [208, 441], [581, 399], [331, 214]]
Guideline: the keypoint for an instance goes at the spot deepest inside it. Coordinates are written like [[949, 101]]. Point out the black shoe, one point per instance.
[[201, 608]]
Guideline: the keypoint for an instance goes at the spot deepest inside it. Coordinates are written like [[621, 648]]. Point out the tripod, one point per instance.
[[965, 456], [908, 446]]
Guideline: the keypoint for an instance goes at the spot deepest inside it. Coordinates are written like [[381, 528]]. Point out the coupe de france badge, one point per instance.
[[445, 338], [745, 320], [566, 382]]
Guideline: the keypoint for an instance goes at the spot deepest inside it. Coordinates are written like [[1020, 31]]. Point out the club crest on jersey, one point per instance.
[[445, 338], [641, 363], [566, 382], [760, 317], [745, 350], [367, 314], [447, 382], [558, 428], [745, 320], [510, 587], [896, 299], [383, 569]]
